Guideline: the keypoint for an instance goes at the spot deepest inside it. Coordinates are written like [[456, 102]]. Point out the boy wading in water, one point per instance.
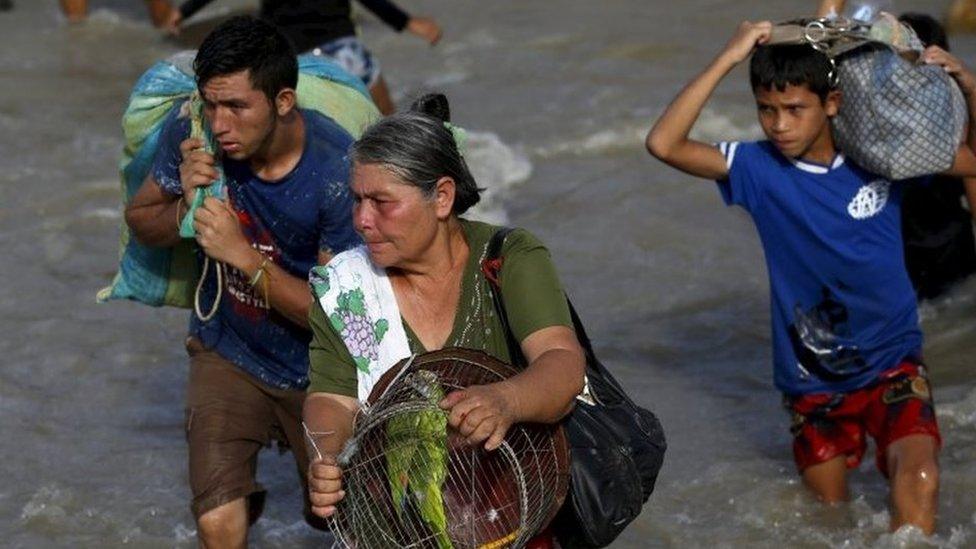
[[846, 340]]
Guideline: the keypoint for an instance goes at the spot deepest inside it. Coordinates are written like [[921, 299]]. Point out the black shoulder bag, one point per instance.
[[616, 447]]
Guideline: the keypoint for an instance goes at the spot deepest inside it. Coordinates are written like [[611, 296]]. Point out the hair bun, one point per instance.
[[433, 104]]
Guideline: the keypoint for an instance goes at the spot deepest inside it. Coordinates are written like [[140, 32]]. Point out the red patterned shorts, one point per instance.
[[826, 425]]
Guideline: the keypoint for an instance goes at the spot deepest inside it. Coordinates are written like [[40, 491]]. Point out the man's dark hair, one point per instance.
[[246, 43], [799, 65], [929, 31]]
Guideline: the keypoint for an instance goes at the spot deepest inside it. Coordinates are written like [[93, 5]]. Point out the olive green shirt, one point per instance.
[[531, 291]]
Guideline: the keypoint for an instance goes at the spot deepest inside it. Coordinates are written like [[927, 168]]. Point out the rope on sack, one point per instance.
[[199, 131], [220, 290]]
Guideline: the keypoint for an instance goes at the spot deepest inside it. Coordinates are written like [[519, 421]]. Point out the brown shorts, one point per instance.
[[230, 416]]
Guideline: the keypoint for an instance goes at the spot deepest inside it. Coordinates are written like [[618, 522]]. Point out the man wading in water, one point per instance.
[[288, 208]]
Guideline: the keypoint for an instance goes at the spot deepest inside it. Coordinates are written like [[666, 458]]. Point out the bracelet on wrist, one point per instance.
[[179, 216], [263, 277]]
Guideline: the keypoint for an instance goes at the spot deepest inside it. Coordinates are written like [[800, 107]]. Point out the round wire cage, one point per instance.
[[411, 480]]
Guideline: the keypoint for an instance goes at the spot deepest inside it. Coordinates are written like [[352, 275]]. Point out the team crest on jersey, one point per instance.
[[870, 199]]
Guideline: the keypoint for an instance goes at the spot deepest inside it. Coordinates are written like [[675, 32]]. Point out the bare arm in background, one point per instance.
[[391, 14], [176, 16], [828, 7]]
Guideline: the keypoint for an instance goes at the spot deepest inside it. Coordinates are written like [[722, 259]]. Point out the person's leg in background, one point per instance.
[[75, 10], [381, 96]]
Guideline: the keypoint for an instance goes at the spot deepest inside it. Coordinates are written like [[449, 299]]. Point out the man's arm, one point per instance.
[[152, 218], [219, 234], [668, 139], [153, 215]]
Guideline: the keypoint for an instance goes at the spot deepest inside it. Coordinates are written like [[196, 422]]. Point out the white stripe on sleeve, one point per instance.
[[730, 156]]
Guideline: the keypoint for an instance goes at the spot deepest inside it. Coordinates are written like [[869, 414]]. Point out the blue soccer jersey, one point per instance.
[[843, 308]]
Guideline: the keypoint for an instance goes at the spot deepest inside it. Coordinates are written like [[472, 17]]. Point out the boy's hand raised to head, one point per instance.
[[934, 55], [746, 38], [965, 163], [668, 140]]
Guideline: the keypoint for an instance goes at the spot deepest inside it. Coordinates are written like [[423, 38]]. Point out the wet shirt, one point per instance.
[[531, 291], [310, 23], [843, 309], [289, 221]]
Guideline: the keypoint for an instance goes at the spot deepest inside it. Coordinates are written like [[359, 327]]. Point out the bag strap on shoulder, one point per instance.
[[595, 370], [491, 267]]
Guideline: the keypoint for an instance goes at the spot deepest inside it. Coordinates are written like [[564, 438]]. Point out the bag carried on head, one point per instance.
[[616, 447], [898, 118]]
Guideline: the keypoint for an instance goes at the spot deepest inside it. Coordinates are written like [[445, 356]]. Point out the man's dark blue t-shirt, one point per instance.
[[289, 221], [843, 309]]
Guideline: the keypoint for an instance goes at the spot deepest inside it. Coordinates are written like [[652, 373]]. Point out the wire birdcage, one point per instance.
[[411, 481]]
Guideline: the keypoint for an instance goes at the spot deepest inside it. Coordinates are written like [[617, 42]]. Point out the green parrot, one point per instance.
[[417, 459]]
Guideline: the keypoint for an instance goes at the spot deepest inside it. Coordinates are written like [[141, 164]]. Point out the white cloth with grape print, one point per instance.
[[358, 299]]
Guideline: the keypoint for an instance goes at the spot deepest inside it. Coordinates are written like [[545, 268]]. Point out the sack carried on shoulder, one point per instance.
[[898, 118], [167, 276], [616, 447]]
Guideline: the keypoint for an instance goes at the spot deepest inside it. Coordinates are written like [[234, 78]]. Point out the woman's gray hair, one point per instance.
[[419, 148]]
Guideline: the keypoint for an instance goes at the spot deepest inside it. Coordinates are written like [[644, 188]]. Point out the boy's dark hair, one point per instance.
[[798, 65], [929, 31], [247, 43]]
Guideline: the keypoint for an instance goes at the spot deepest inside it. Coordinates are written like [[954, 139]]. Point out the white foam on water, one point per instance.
[[446, 78], [712, 127], [630, 136], [46, 504], [958, 536], [768, 500], [927, 311], [108, 17], [497, 168], [183, 533], [479, 39], [103, 213], [104, 16], [131, 534], [961, 412], [274, 532], [911, 536]]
